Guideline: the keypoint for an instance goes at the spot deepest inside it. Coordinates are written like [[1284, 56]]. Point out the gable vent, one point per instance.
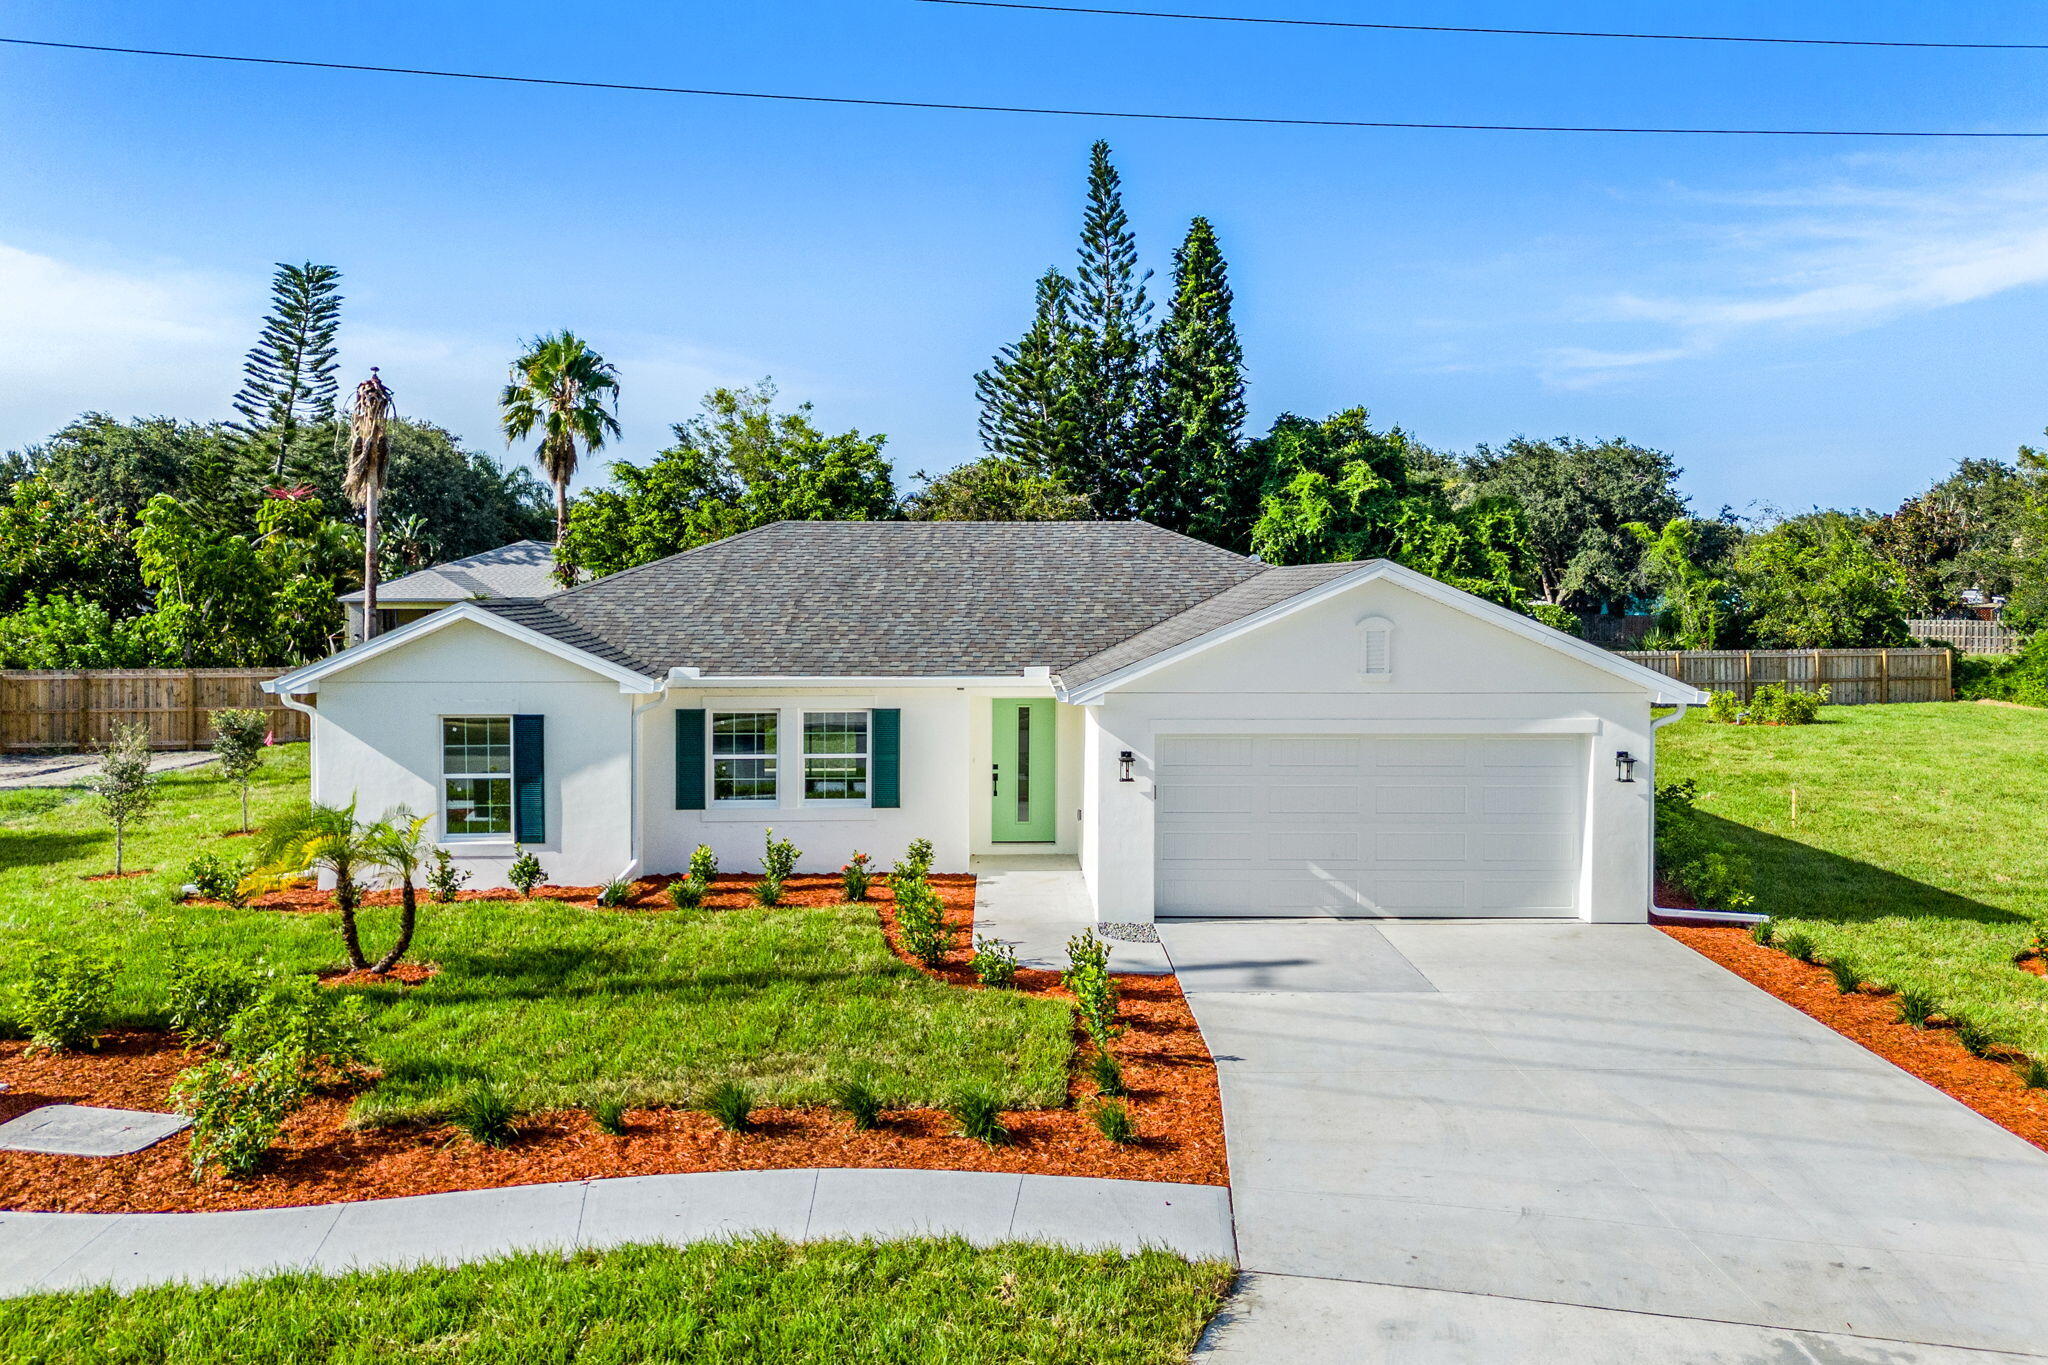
[[1376, 648]]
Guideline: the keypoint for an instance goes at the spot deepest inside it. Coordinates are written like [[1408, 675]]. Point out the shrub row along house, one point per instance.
[[1204, 733]]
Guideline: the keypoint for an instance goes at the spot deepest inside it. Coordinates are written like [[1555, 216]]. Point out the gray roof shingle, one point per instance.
[[891, 599], [525, 568]]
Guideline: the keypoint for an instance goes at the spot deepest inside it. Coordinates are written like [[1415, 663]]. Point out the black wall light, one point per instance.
[[1624, 766], [1123, 765]]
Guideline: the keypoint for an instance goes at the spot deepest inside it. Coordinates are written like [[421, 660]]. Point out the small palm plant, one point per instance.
[[398, 843], [316, 839]]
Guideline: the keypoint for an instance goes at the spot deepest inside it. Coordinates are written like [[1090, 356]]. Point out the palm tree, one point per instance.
[[323, 839], [561, 388], [369, 462], [398, 844]]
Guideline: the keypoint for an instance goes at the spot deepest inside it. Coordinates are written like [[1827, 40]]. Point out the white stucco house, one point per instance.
[[1202, 734]]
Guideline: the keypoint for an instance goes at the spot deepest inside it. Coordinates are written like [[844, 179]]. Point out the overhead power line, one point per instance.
[[1497, 32], [1247, 119]]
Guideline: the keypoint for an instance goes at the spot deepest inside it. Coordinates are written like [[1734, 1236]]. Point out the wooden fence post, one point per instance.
[[1884, 675]]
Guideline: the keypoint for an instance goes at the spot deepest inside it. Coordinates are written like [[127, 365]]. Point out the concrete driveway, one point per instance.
[[1457, 1143]]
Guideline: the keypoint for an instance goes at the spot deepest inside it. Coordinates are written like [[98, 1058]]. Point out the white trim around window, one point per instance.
[[814, 757], [476, 790]]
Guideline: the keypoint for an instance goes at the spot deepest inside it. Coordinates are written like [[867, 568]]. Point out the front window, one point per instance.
[[835, 755], [743, 756], [476, 775]]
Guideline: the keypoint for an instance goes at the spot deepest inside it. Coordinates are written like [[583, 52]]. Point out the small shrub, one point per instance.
[[704, 865], [326, 1031], [609, 1116], [1847, 978], [768, 891], [1723, 708], [994, 963], [1691, 857], [444, 879], [1760, 933], [1975, 1038], [1798, 944], [220, 879], [859, 1101], [525, 873], [2033, 1073], [1087, 976], [1916, 1008], [63, 998], [686, 894], [919, 855], [1774, 704], [206, 996], [484, 1112], [124, 788], [238, 739], [732, 1104], [979, 1115], [856, 877], [1107, 1073], [237, 1109], [920, 913], [615, 893], [778, 857], [1113, 1120]]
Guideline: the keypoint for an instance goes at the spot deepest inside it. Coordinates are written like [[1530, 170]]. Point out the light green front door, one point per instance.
[[1022, 748]]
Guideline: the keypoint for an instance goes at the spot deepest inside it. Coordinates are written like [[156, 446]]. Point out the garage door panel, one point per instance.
[[1421, 826]]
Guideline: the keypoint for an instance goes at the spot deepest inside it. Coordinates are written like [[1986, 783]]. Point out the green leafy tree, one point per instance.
[[739, 465], [1814, 582], [1115, 420], [1028, 392], [306, 557], [213, 606], [1201, 482], [369, 467], [995, 488], [288, 386], [1696, 606], [459, 502], [564, 391], [60, 631], [1576, 497], [1337, 490], [124, 788], [119, 466], [53, 545], [2027, 594], [238, 737]]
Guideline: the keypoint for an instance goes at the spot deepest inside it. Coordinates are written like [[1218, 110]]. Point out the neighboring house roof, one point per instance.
[[895, 599], [525, 568]]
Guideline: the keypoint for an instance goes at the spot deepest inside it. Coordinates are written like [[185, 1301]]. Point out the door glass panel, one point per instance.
[[1024, 765]]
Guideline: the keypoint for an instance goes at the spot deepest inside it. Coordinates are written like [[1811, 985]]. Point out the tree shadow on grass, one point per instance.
[[1800, 881], [18, 849]]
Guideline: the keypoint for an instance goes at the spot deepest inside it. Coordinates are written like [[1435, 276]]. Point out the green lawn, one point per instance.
[[1920, 847], [725, 1302], [558, 1004]]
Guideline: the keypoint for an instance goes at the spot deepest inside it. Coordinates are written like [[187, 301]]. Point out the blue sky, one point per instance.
[[1798, 322]]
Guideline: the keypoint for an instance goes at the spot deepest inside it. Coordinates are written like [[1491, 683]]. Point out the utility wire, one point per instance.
[[1500, 32], [1013, 108]]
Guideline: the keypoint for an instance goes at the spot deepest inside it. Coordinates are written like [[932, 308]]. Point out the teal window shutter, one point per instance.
[[886, 786], [689, 760], [529, 779]]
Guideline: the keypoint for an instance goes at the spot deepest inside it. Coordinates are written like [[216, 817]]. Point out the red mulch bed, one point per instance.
[[1992, 1088], [319, 1160], [116, 876]]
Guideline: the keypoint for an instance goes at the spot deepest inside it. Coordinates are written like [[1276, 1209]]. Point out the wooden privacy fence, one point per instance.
[[1971, 637], [66, 709], [1852, 676]]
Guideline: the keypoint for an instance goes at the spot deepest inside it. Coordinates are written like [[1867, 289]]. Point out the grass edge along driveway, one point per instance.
[[758, 1300], [1916, 848], [557, 1004]]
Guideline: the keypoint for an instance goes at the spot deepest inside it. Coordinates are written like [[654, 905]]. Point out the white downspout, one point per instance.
[[312, 729], [632, 867]]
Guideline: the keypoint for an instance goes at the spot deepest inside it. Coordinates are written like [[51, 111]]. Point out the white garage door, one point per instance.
[[1342, 825]]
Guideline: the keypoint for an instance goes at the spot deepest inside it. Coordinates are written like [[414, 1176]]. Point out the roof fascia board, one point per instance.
[[307, 679], [1666, 690], [690, 677]]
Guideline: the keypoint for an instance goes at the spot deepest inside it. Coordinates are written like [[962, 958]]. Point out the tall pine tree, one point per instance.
[[1027, 393], [1199, 480], [1112, 350], [288, 384]]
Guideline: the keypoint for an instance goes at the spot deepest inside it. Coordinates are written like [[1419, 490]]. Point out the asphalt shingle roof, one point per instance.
[[524, 568], [891, 599]]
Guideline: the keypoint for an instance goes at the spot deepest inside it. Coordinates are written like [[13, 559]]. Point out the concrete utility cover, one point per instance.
[[84, 1130]]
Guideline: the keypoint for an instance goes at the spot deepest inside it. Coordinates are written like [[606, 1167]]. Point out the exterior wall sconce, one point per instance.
[[1123, 765], [1624, 766]]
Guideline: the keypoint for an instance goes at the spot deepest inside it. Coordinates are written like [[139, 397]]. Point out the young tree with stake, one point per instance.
[[124, 787]]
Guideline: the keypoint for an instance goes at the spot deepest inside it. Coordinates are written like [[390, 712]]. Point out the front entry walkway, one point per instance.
[[1469, 1144]]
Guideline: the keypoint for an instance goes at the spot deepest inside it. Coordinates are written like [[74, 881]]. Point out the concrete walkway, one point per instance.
[[50, 1251], [1469, 1144], [1036, 903]]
